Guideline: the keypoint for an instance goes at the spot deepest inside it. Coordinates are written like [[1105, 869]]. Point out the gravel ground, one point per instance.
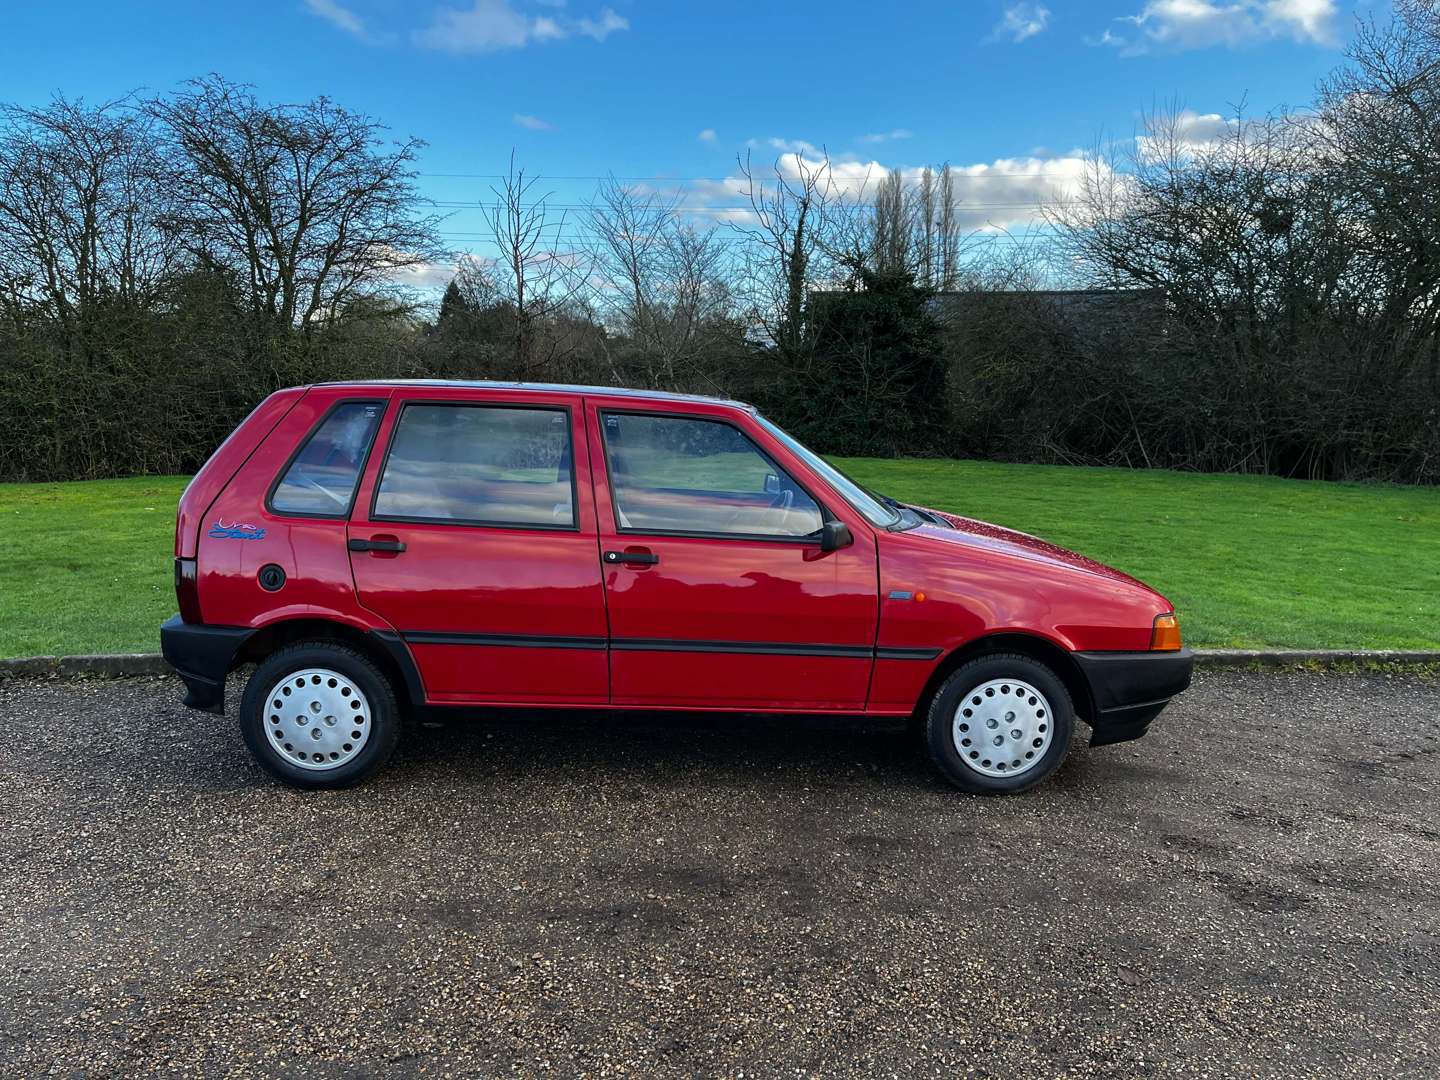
[[1249, 891]]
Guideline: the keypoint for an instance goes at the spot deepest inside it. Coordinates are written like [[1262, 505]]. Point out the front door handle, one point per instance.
[[632, 558], [377, 544]]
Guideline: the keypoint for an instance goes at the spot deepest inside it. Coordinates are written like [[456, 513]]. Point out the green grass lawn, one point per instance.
[[1248, 561], [90, 566]]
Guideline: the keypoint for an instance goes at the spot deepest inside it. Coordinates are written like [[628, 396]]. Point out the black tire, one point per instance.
[[384, 713], [950, 697]]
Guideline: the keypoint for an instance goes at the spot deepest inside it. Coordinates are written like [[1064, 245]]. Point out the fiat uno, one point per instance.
[[374, 547]]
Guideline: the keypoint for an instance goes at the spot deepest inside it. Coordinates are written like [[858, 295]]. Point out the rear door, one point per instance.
[[474, 535], [718, 593]]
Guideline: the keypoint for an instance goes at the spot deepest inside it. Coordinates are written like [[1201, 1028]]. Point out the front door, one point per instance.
[[718, 593], [474, 535]]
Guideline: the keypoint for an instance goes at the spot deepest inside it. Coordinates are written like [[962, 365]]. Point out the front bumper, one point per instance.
[[202, 656], [1130, 688]]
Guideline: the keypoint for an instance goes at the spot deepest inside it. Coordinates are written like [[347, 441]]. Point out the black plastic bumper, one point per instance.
[[202, 656], [1130, 689]]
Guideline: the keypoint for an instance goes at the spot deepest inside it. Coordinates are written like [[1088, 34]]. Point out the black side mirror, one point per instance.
[[835, 535]]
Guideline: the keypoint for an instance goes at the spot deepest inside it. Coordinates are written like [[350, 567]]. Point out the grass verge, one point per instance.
[[1249, 561]]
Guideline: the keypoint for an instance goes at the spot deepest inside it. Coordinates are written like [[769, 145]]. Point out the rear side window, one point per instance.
[[479, 465], [320, 480], [673, 474]]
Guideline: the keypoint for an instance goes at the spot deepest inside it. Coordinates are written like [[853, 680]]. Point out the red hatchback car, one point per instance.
[[377, 546]]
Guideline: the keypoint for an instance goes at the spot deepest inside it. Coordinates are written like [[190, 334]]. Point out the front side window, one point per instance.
[[862, 499], [479, 464], [672, 474], [321, 479]]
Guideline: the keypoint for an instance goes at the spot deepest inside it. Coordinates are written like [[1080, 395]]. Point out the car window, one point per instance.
[[861, 498], [321, 479], [479, 464], [687, 475]]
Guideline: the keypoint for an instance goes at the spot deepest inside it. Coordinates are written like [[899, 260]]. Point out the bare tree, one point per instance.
[[305, 201], [632, 230], [700, 295], [659, 282], [79, 192], [1379, 128], [946, 259], [786, 237], [538, 280], [893, 226], [926, 224]]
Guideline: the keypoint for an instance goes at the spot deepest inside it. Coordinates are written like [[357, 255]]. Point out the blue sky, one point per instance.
[[645, 88]]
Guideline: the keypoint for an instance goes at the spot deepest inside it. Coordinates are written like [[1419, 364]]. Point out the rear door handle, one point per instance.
[[632, 558], [396, 546]]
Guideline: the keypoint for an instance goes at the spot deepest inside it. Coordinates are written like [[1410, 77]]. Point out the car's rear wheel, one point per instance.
[[318, 714], [999, 724]]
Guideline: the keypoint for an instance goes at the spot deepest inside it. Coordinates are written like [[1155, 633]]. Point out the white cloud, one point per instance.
[[491, 25], [487, 26], [1203, 24], [337, 15], [1020, 22], [1306, 20], [787, 146], [1187, 133], [708, 135], [601, 28], [1003, 194], [423, 275], [886, 136], [532, 123]]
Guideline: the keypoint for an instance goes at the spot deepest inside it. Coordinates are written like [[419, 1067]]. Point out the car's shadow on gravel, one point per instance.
[[725, 746], [480, 749], [487, 747]]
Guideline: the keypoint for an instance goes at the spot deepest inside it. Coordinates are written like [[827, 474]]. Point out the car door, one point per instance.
[[719, 595], [474, 535]]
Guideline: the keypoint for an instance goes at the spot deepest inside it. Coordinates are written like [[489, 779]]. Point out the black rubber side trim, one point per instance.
[[906, 654], [761, 648], [754, 648], [395, 645], [520, 641], [202, 656]]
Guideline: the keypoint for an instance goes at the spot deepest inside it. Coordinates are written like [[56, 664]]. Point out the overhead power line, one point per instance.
[[960, 207], [955, 174]]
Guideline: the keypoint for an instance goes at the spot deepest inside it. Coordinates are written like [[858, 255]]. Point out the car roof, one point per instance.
[[547, 388]]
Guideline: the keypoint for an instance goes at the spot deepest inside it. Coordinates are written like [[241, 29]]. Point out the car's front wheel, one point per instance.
[[999, 724], [318, 714]]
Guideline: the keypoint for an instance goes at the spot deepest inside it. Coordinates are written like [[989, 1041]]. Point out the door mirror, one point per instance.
[[772, 484], [835, 535]]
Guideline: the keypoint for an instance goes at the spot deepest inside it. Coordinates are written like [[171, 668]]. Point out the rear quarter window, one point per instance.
[[320, 480]]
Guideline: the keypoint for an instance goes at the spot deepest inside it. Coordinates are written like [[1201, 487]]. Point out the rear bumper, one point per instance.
[[202, 656], [1130, 689]]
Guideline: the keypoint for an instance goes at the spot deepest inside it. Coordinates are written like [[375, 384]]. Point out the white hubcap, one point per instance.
[[317, 718], [1003, 727]]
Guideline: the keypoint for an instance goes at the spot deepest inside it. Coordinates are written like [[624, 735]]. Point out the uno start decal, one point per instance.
[[235, 530]]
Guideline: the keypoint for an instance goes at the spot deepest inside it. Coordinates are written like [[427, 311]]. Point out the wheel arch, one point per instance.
[[1047, 652], [386, 649]]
